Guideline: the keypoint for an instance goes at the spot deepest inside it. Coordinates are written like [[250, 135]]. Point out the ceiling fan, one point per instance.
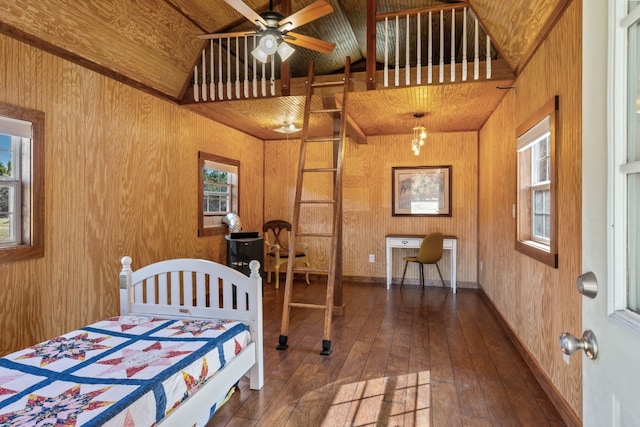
[[273, 30]]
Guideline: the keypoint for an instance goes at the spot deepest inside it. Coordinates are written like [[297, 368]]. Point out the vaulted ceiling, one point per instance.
[[153, 45]]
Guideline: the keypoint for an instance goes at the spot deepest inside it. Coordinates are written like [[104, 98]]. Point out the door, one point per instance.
[[611, 231]]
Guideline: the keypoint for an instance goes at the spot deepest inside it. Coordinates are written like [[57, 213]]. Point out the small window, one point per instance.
[[21, 183], [218, 192], [536, 222]]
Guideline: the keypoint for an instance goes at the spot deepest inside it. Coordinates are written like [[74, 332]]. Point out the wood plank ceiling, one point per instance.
[[153, 45]]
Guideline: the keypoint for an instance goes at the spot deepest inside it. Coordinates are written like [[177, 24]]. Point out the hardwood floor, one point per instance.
[[400, 358]]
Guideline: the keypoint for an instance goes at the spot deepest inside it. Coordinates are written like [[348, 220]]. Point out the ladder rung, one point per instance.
[[314, 234], [325, 84], [311, 202], [323, 139], [303, 305], [320, 170], [327, 110]]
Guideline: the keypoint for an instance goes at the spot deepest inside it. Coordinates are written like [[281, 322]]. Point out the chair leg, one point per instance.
[[404, 272], [277, 273], [306, 263], [441, 279], [422, 275]]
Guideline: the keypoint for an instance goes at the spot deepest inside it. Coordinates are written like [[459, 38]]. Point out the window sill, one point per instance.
[[21, 253], [213, 230], [538, 252]]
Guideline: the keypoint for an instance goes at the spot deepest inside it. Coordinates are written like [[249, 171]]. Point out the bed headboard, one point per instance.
[[190, 288]]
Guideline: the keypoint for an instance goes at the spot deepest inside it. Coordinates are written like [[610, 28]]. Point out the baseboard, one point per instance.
[[566, 412], [411, 282], [365, 279]]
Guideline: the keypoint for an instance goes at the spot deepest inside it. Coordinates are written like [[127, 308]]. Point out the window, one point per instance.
[[21, 183], [631, 168], [218, 192], [218, 187], [541, 190], [536, 223], [625, 170]]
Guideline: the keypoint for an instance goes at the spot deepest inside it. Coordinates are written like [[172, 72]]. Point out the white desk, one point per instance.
[[450, 243]]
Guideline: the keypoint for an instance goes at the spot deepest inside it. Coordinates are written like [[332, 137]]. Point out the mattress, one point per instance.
[[125, 370]]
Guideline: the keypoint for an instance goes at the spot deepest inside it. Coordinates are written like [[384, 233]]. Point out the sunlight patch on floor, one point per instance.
[[402, 400]]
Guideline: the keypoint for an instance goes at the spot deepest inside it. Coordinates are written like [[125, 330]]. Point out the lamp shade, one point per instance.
[[259, 54], [285, 51]]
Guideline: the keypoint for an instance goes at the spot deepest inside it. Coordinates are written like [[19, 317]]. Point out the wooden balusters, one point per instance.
[[447, 37], [236, 80]]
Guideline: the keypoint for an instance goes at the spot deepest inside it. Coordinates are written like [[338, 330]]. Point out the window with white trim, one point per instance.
[[536, 226], [21, 183], [218, 192]]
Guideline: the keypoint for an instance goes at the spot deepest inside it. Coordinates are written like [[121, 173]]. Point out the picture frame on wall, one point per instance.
[[421, 190]]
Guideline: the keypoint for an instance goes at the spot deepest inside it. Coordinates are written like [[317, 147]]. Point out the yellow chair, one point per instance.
[[276, 242], [430, 252]]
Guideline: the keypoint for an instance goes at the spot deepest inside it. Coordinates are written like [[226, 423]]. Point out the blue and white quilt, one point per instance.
[[122, 371]]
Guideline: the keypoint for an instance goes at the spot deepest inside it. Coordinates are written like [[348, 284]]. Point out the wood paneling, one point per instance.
[[514, 41], [367, 201], [537, 301], [149, 42], [120, 179]]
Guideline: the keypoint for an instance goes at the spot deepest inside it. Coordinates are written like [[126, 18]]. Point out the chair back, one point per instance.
[[279, 230], [431, 249]]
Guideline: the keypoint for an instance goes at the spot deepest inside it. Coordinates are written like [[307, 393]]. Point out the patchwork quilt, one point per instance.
[[122, 371]]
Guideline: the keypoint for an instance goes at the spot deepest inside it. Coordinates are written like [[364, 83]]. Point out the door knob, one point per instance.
[[569, 344]]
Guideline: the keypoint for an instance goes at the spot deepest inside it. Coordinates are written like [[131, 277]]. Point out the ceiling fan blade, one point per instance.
[[309, 42], [307, 14], [226, 35], [246, 11]]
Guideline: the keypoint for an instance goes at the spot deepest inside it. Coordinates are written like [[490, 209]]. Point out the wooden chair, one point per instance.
[[276, 242], [430, 252]]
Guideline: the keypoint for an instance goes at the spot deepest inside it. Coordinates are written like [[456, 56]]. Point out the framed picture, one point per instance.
[[421, 190]]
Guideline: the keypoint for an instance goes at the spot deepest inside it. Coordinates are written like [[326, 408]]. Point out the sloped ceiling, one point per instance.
[[153, 45]]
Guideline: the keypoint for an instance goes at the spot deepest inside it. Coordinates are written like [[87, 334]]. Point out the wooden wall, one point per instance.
[[367, 215], [121, 179], [538, 302]]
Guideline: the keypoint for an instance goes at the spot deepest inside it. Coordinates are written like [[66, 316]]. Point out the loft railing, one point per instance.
[[222, 75], [445, 42], [430, 60], [410, 42]]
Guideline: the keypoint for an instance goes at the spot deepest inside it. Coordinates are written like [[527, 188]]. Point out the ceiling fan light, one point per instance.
[[260, 55], [268, 44], [285, 50]]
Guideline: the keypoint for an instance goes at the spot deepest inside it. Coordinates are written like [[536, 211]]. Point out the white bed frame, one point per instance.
[[181, 292]]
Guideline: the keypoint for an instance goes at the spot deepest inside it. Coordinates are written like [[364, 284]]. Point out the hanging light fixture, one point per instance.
[[419, 135]]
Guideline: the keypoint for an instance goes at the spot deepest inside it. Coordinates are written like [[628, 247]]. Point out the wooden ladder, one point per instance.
[[305, 174]]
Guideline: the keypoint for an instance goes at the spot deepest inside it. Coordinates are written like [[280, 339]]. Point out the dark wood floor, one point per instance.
[[400, 358]]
